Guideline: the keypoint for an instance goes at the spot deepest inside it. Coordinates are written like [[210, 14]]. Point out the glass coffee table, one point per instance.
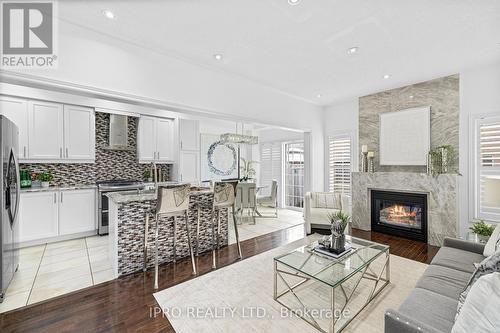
[[329, 293]]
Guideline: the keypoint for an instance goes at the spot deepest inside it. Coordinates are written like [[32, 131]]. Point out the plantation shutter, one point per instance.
[[489, 171], [270, 166], [339, 161]]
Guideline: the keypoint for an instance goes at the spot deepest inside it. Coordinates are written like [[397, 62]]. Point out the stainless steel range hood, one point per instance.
[[118, 133]]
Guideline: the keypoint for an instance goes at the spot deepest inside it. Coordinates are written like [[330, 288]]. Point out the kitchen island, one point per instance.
[[127, 216]]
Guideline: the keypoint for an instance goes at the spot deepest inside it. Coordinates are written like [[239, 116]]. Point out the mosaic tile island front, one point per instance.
[[127, 214]]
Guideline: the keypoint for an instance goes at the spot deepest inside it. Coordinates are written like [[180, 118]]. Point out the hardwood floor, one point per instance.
[[127, 304]]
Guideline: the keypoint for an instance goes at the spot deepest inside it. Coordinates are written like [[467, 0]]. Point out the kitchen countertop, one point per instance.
[[59, 188], [135, 195]]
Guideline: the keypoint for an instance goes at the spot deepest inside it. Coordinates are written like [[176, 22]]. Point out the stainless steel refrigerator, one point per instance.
[[9, 180]]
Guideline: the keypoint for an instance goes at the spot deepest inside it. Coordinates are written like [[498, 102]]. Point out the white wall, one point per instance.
[[278, 135], [342, 118], [89, 60], [479, 95]]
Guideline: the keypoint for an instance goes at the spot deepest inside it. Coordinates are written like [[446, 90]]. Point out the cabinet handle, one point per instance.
[[158, 155], [61, 197], [55, 197], [67, 154], [181, 144], [24, 151], [60, 152]]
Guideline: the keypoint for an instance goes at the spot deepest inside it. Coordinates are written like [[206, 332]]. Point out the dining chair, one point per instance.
[[270, 200], [245, 200]]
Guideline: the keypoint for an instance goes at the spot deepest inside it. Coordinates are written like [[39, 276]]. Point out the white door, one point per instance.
[[76, 211], [79, 133], [189, 167], [38, 215], [17, 111], [146, 139], [164, 140], [189, 134], [45, 130]]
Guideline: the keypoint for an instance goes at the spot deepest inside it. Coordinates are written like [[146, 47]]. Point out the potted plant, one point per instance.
[[45, 178], [339, 222], [247, 170], [147, 175], [482, 230]]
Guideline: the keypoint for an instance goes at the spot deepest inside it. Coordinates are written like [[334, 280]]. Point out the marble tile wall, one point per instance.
[[441, 193], [442, 95], [109, 164]]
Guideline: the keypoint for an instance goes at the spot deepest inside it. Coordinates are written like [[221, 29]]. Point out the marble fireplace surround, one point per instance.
[[442, 199]]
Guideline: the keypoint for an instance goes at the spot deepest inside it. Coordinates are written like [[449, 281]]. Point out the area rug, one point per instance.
[[239, 298]]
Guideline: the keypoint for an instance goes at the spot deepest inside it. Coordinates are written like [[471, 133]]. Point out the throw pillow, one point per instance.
[[493, 243], [487, 266], [480, 311]]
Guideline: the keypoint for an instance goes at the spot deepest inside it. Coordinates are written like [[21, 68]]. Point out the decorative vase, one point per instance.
[[45, 184], [338, 243], [483, 239], [444, 160], [371, 165]]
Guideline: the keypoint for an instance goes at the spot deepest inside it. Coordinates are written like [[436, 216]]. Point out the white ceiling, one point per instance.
[[302, 49]]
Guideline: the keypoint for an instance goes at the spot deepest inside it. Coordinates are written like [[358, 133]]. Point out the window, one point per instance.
[[294, 174], [339, 164], [487, 176]]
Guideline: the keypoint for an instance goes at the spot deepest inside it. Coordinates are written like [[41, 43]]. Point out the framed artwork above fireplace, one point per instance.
[[405, 136]]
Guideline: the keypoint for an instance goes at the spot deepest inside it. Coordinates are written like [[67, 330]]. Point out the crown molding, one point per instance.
[[34, 81]]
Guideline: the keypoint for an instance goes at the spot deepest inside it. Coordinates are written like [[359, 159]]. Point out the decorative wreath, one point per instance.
[[210, 154]]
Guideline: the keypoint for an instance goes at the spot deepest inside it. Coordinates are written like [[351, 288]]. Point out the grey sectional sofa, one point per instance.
[[432, 305]]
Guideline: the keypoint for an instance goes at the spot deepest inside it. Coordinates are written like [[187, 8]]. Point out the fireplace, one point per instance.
[[401, 214]]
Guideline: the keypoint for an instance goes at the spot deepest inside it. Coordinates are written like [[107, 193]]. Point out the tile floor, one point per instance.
[[51, 270], [264, 225]]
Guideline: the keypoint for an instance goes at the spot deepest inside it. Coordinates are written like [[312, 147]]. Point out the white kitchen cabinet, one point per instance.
[[77, 211], [189, 134], [155, 140], [38, 215], [79, 133], [45, 130], [189, 151], [189, 167], [164, 140], [146, 139], [16, 110]]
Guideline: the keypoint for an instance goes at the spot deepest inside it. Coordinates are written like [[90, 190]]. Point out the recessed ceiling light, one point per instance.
[[386, 76], [411, 96], [318, 95], [293, 2], [218, 56], [109, 14], [352, 50]]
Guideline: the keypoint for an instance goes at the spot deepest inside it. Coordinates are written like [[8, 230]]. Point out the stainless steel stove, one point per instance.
[[103, 206]]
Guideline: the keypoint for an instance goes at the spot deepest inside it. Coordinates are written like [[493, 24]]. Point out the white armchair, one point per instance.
[[318, 205]]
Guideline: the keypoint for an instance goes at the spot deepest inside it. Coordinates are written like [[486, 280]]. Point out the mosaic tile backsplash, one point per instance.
[[109, 164]]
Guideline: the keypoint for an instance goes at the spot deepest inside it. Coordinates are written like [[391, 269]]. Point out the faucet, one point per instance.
[[154, 171]]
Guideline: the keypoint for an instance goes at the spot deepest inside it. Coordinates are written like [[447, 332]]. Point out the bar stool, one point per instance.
[[173, 201], [224, 197]]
